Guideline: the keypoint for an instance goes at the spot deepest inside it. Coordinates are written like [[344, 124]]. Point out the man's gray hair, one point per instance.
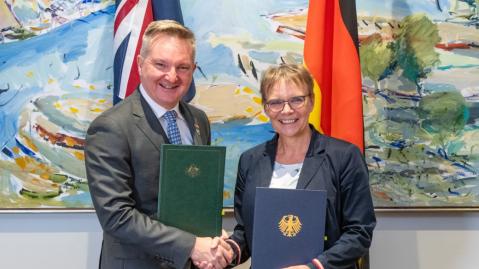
[[168, 28]]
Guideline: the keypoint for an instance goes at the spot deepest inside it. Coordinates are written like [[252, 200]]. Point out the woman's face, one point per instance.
[[292, 119]]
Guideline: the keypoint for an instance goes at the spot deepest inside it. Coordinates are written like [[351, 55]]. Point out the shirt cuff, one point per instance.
[[236, 250]]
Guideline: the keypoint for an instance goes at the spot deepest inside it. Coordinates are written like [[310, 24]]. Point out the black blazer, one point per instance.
[[122, 157], [330, 164]]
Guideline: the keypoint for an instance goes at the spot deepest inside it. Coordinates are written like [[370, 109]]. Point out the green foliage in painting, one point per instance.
[[414, 47], [20, 33], [375, 48], [420, 124], [443, 115]]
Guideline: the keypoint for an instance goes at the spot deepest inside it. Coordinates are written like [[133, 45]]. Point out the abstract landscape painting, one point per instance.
[[56, 77], [237, 41], [420, 67], [420, 70]]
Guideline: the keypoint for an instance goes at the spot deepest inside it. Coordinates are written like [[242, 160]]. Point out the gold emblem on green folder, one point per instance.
[[192, 170], [290, 225]]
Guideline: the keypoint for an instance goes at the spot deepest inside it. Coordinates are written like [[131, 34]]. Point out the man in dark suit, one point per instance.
[[123, 152]]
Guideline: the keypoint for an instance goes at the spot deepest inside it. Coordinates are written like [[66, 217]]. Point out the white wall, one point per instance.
[[430, 240], [49, 240], [414, 240]]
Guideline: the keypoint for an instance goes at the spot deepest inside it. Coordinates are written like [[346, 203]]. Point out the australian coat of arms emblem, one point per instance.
[[192, 170]]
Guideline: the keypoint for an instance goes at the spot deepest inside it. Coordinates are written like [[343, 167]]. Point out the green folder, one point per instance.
[[190, 194]]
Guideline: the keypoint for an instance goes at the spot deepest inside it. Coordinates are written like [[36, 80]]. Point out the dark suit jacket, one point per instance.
[[330, 164], [122, 162]]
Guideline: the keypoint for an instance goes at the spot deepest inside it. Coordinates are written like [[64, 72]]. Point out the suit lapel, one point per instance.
[[147, 122], [266, 163], [312, 162], [192, 123]]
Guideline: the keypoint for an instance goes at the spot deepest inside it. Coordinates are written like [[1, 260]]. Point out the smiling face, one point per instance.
[[166, 69], [289, 122]]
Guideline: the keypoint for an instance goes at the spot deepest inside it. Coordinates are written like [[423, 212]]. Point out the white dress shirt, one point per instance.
[[159, 111], [285, 176]]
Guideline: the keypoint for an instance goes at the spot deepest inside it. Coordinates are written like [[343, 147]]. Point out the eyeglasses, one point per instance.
[[277, 105]]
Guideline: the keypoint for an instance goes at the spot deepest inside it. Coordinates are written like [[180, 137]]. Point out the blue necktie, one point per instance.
[[172, 128]]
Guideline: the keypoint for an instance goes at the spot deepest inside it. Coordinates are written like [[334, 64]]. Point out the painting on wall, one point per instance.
[[420, 68], [56, 77], [237, 41]]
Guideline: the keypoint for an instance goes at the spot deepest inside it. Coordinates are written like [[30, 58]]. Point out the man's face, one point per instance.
[[167, 69]]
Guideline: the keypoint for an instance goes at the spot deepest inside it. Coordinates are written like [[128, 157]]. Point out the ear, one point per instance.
[[139, 63]]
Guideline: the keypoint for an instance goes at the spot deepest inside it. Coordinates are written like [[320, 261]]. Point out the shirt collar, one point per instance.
[[158, 109]]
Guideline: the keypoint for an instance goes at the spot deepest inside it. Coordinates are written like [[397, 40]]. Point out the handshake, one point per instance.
[[212, 253]]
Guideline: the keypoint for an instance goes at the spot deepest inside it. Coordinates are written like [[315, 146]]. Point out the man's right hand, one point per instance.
[[211, 253]]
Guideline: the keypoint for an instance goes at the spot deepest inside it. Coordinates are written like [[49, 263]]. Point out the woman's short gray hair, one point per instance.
[[295, 73]]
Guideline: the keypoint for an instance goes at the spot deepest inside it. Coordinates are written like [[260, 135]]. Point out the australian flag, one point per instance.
[[131, 19]]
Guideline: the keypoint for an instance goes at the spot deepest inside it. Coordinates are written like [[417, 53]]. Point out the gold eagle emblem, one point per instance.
[[290, 225], [192, 170]]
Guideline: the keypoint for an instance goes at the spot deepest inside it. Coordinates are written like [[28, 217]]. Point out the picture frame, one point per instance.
[[420, 104]]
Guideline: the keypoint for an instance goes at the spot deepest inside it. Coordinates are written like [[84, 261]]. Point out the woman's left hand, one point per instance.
[[297, 267]]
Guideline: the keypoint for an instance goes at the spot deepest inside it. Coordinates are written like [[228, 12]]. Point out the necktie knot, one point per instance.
[[172, 128], [170, 116]]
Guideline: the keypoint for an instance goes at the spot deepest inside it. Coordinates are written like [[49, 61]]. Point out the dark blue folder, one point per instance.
[[288, 227]]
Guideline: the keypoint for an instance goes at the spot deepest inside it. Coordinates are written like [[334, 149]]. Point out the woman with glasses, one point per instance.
[[298, 150]]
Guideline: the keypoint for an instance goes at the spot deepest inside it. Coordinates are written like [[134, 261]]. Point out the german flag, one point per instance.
[[331, 55]]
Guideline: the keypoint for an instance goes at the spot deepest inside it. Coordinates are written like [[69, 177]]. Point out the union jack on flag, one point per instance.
[[131, 19]]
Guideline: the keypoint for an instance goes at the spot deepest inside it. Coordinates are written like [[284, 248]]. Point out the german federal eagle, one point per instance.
[[289, 225]]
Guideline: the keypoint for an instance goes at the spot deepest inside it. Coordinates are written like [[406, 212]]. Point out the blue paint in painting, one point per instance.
[[442, 153], [11, 103], [401, 114], [78, 200], [7, 152], [223, 30], [216, 60], [49, 43], [62, 56], [467, 52], [400, 9], [54, 42], [473, 111], [465, 167], [267, 57], [386, 97], [453, 192], [235, 17], [450, 66], [438, 87], [25, 13], [238, 137], [398, 144], [24, 149], [231, 19], [250, 134]]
